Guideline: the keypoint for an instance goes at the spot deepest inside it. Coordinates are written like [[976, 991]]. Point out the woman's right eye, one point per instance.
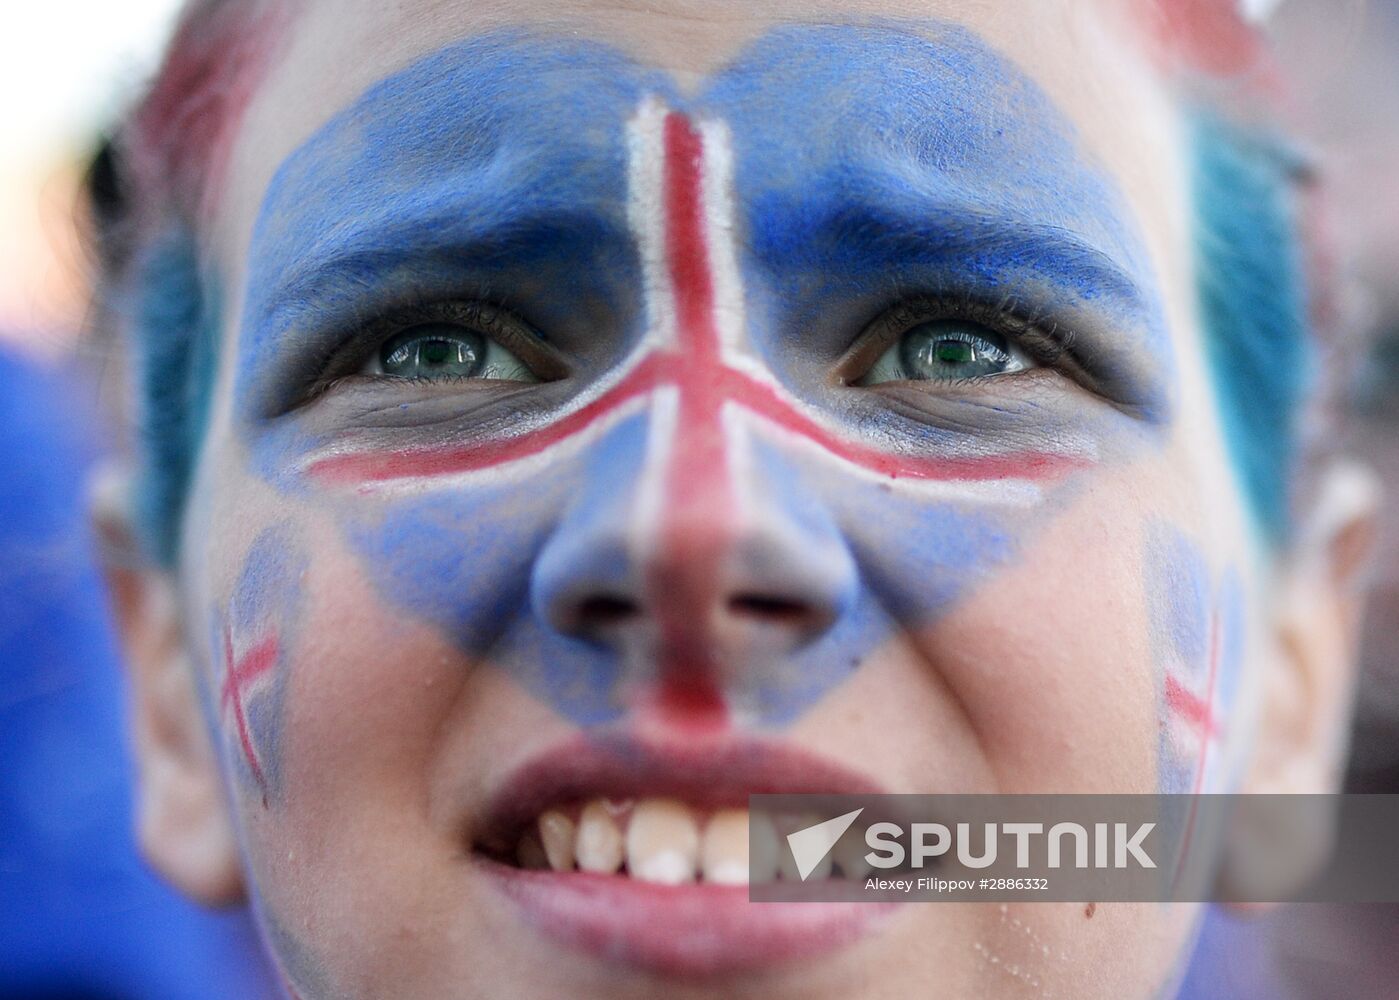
[[442, 350]]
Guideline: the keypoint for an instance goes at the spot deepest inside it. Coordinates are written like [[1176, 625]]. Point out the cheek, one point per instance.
[[1050, 659], [1085, 644]]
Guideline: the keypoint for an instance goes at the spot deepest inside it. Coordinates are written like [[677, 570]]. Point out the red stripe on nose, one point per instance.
[[698, 507]]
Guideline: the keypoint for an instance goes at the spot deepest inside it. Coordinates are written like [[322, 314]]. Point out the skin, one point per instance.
[[376, 642]]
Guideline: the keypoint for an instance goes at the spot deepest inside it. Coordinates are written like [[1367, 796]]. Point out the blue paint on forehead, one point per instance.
[[916, 160], [493, 169]]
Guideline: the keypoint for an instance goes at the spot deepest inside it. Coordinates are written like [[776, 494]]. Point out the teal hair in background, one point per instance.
[[1253, 301], [175, 347]]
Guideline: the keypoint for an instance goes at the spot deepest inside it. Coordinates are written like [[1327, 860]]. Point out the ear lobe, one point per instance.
[[183, 821], [1309, 690], [1308, 686]]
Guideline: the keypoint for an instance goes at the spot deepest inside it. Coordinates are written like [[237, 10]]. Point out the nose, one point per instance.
[[700, 599]]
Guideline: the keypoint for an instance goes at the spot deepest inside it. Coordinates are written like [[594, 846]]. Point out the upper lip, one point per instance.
[[616, 766]]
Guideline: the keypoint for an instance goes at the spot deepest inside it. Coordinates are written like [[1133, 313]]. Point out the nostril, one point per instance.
[[607, 609], [774, 610]]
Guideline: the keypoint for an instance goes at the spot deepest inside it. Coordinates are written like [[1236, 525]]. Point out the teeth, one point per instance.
[[662, 842], [849, 854], [599, 847], [556, 832], [724, 853], [766, 849]]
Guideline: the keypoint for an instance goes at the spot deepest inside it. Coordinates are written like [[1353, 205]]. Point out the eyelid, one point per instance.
[[1047, 346], [500, 325]]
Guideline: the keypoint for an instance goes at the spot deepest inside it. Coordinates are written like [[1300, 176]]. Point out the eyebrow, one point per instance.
[[468, 162], [1000, 206], [962, 242], [930, 164], [449, 238], [364, 269]]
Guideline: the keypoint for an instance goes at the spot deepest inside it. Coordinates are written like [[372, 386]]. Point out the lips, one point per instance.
[[638, 853]]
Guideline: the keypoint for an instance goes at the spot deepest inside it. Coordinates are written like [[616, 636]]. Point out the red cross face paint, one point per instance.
[[600, 441], [713, 431]]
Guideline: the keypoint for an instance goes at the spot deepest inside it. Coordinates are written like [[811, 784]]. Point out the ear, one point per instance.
[[183, 821], [1308, 688]]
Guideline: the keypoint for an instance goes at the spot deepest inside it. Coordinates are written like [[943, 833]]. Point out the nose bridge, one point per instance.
[[690, 557], [699, 564]]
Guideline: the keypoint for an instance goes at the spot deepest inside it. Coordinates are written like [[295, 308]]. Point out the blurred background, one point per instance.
[[80, 916]]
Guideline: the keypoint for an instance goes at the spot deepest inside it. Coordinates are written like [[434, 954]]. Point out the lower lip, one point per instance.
[[692, 930]]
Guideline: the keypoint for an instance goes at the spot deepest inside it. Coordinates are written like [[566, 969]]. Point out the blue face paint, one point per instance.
[[252, 645], [883, 162], [497, 169], [1253, 306], [909, 561], [1198, 644], [494, 170]]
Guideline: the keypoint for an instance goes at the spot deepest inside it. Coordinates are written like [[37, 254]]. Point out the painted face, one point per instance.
[[607, 417]]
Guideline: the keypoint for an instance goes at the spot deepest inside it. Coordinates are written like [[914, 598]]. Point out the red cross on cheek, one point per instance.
[[239, 675], [1199, 714], [1198, 711]]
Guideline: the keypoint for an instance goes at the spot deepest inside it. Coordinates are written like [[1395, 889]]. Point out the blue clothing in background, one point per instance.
[[80, 915]]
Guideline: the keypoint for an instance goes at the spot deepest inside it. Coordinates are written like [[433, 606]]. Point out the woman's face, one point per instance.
[[680, 401]]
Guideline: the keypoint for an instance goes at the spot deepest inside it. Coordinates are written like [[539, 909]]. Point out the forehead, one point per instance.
[[1082, 58]]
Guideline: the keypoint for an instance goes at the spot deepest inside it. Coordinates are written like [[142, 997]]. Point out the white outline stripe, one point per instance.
[[646, 164]]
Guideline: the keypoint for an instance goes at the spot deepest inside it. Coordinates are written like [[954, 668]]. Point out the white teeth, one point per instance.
[[724, 852], [766, 848], [556, 832], [600, 844], [662, 842], [529, 853], [787, 863], [849, 854]]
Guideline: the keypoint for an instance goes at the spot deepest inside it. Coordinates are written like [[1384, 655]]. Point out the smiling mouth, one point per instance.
[[640, 854]]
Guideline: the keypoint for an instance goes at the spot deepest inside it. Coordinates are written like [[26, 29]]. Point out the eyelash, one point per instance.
[[1042, 340], [1046, 343], [496, 322]]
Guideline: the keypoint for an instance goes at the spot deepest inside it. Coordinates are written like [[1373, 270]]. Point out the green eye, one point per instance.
[[446, 351], [945, 350]]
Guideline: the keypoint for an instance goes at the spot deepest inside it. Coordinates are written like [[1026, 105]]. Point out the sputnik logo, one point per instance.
[[810, 846]]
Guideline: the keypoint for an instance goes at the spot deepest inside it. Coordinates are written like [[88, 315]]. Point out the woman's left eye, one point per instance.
[[946, 350], [446, 351]]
